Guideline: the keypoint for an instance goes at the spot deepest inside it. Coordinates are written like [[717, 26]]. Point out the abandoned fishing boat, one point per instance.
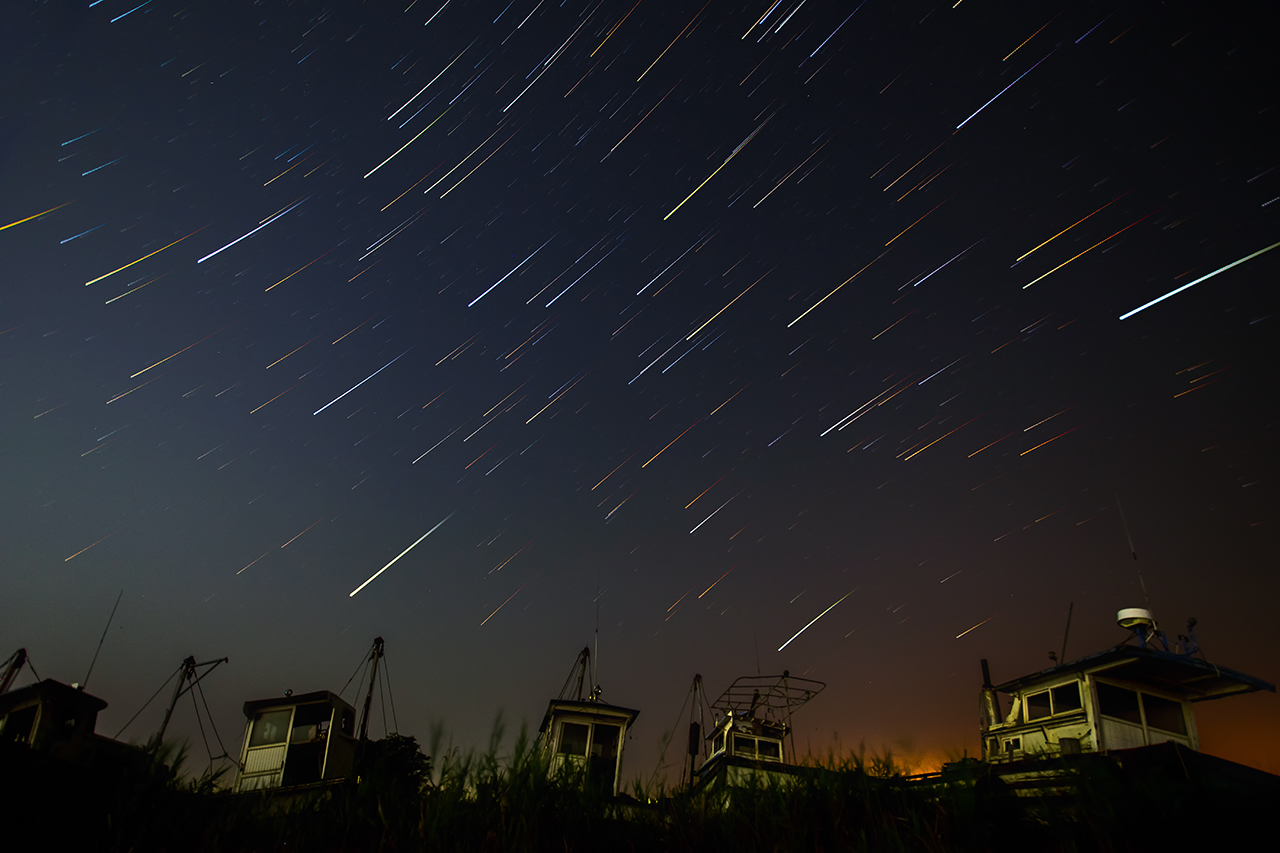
[[748, 741], [52, 720], [302, 742], [585, 734], [1132, 703]]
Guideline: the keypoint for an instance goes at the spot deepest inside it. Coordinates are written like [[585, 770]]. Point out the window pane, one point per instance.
[[573, 739], [1066, 698], [770, 749], [1164, 714], [605, 742], [270, 727], [1119, 703], [717, 744], [1038, 705], [744, 746]]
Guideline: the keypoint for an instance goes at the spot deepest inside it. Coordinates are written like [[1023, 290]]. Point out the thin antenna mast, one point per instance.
[[1062, 658], [101, 639], [596, 668], [1132, 551]]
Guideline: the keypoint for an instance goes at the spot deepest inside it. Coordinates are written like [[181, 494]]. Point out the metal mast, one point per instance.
[[186, 680], [375, 655]]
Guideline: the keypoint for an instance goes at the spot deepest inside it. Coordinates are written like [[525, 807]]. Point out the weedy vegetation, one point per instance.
[[403, 800]]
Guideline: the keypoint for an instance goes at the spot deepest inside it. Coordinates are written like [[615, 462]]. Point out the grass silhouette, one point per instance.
[[401, 800]]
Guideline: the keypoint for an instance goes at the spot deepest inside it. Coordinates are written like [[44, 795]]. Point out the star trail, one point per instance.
[[643, 299]]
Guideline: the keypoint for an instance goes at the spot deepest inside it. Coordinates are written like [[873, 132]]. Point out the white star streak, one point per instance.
[[815, 619], [1197, 281], [361, 382], [407, 144], [513, 269], [251, 233], [709, 517], [1007, 88], [939, 269], [433, 79], [581, 277], [398, 556]]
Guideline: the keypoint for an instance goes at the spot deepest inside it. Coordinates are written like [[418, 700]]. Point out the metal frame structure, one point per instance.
[[749, 736]]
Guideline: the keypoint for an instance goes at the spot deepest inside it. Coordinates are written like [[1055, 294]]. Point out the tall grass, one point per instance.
[[488, 802]]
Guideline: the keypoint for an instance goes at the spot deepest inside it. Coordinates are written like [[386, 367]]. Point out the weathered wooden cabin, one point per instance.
[[1137, 695], [296, 740], [52, 718], [586, 733], [303, 740]]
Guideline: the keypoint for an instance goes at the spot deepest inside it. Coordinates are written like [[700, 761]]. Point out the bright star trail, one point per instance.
[[418, 541], [814, 619], [709, 312], [1178, 290]]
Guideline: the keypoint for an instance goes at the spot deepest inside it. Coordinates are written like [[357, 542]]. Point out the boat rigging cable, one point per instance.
[[101, 639], [149, 701], [188, 682], [396, 723], [700, 706], [370, 658], [212, 725]]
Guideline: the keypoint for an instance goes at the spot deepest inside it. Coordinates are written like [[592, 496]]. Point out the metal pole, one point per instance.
[[375, 656], [188, 670]]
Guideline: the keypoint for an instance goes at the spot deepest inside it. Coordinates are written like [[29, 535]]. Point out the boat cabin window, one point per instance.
[[1066, 698], [1118, 702], [1058, 700], [270, 727], [762, 748], [1164, 714], [310, 722], [717, 743], [573, 739], [17, 726], [1013, 744], [605, 742]]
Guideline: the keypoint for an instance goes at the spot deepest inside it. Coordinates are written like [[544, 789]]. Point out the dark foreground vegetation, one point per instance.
[[480, 804]]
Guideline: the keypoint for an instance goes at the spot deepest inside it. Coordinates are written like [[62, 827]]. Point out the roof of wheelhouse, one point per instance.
[[254, 705], [602, 710], [1193, 678]]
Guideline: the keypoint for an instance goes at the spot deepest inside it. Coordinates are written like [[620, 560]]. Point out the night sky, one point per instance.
[[678, 323]]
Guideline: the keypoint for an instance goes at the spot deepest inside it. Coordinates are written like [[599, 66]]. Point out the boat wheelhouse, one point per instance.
[[52, 718], [586, 734], [304, 740], [1140, 693], [747, 743], [296, 740]]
